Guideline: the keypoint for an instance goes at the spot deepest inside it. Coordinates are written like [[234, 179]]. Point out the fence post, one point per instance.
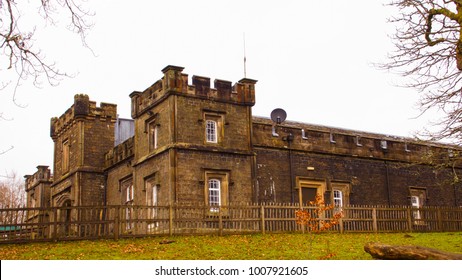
[[440, 219], [374, 219], [409, 219], [170, 219], [116, 222], [262, 219], [220, 221]]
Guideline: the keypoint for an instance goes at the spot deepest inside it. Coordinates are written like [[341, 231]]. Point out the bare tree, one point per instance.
[[12, 191], [428, 51], [16, 44]]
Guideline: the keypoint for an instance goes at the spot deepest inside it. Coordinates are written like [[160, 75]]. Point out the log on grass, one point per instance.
[[400, 252]]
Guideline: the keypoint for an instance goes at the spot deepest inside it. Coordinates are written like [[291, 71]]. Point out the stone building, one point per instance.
[[38, 187], [200, 144]]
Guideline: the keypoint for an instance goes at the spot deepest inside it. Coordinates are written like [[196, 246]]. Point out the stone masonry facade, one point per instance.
[[200, 144]]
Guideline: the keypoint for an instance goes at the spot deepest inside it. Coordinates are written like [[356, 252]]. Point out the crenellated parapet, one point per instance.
[[120, 152], [81, 109], [175, 81], [304, 137], [42, 175]]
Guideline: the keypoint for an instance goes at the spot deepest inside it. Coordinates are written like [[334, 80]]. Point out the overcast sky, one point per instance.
[[311, 58]]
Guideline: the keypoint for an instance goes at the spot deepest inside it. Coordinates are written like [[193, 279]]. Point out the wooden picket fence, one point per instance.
[[114, 222]]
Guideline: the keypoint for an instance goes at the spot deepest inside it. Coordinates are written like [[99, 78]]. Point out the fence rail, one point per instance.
[[114, 222]]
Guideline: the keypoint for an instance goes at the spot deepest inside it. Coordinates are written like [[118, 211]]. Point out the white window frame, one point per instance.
[[128, 190], [153, 135], [152, 190], [211, 131], [214, 194], [129, 193], [338, 199], [415, 203]]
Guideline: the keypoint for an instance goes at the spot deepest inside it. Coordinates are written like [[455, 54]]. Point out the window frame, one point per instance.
[[152, 201], [223, 177], [218, 120], [211, 131], [308, 183], [420, 196], [344, 189], [214, 194], [153, 135], [417, 205], [337, 199], [66, 152], [127, 190]]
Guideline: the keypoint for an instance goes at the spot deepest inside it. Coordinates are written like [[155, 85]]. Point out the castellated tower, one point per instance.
[[81, 137], [192, 144]]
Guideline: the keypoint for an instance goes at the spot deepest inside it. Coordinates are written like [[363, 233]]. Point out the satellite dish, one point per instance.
[[278, 115]]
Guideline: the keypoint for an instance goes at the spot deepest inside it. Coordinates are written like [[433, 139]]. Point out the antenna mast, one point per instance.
[[245, 60]]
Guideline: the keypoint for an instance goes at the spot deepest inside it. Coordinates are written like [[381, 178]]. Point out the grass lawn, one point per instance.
[[291, 246]]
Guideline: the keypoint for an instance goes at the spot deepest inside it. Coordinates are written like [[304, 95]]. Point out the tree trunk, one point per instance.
[[398, 252]]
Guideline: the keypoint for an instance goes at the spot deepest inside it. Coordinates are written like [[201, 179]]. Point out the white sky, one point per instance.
[[311, 58]]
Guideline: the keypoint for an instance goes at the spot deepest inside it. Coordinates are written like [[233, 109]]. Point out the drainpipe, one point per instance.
[[388, 182], [456, 200], [289, 138]]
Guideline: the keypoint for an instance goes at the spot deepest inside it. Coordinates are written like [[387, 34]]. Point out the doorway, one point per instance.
[[308, 189]]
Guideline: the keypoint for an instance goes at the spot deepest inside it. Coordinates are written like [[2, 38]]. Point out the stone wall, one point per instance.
[[377, 173], [259, 161], [88, 132]]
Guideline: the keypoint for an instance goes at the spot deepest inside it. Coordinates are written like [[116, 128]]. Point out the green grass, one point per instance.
[[295, 246]]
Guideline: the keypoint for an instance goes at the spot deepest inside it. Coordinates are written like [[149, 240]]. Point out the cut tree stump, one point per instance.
[[399, 252]]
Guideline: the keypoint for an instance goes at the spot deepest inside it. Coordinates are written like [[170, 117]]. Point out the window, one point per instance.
[[340, 195], [216, 189], [338, 199], [32, 201], [213, 127], [152, 135], [418, 196], [214, 194], [211, 131], [415, 202], [65, 156], [152, 189], [308, 189], [128, 194]]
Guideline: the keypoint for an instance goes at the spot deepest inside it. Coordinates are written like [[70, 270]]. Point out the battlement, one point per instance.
[[175, 81], [337, 141], [82, 108], [120, 152], [43, 174]]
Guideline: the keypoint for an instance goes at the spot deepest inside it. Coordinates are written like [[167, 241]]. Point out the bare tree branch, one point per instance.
[[17, 45], [428, 53]]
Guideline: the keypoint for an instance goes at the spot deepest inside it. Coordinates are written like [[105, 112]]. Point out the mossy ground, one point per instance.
[[235, 247]]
